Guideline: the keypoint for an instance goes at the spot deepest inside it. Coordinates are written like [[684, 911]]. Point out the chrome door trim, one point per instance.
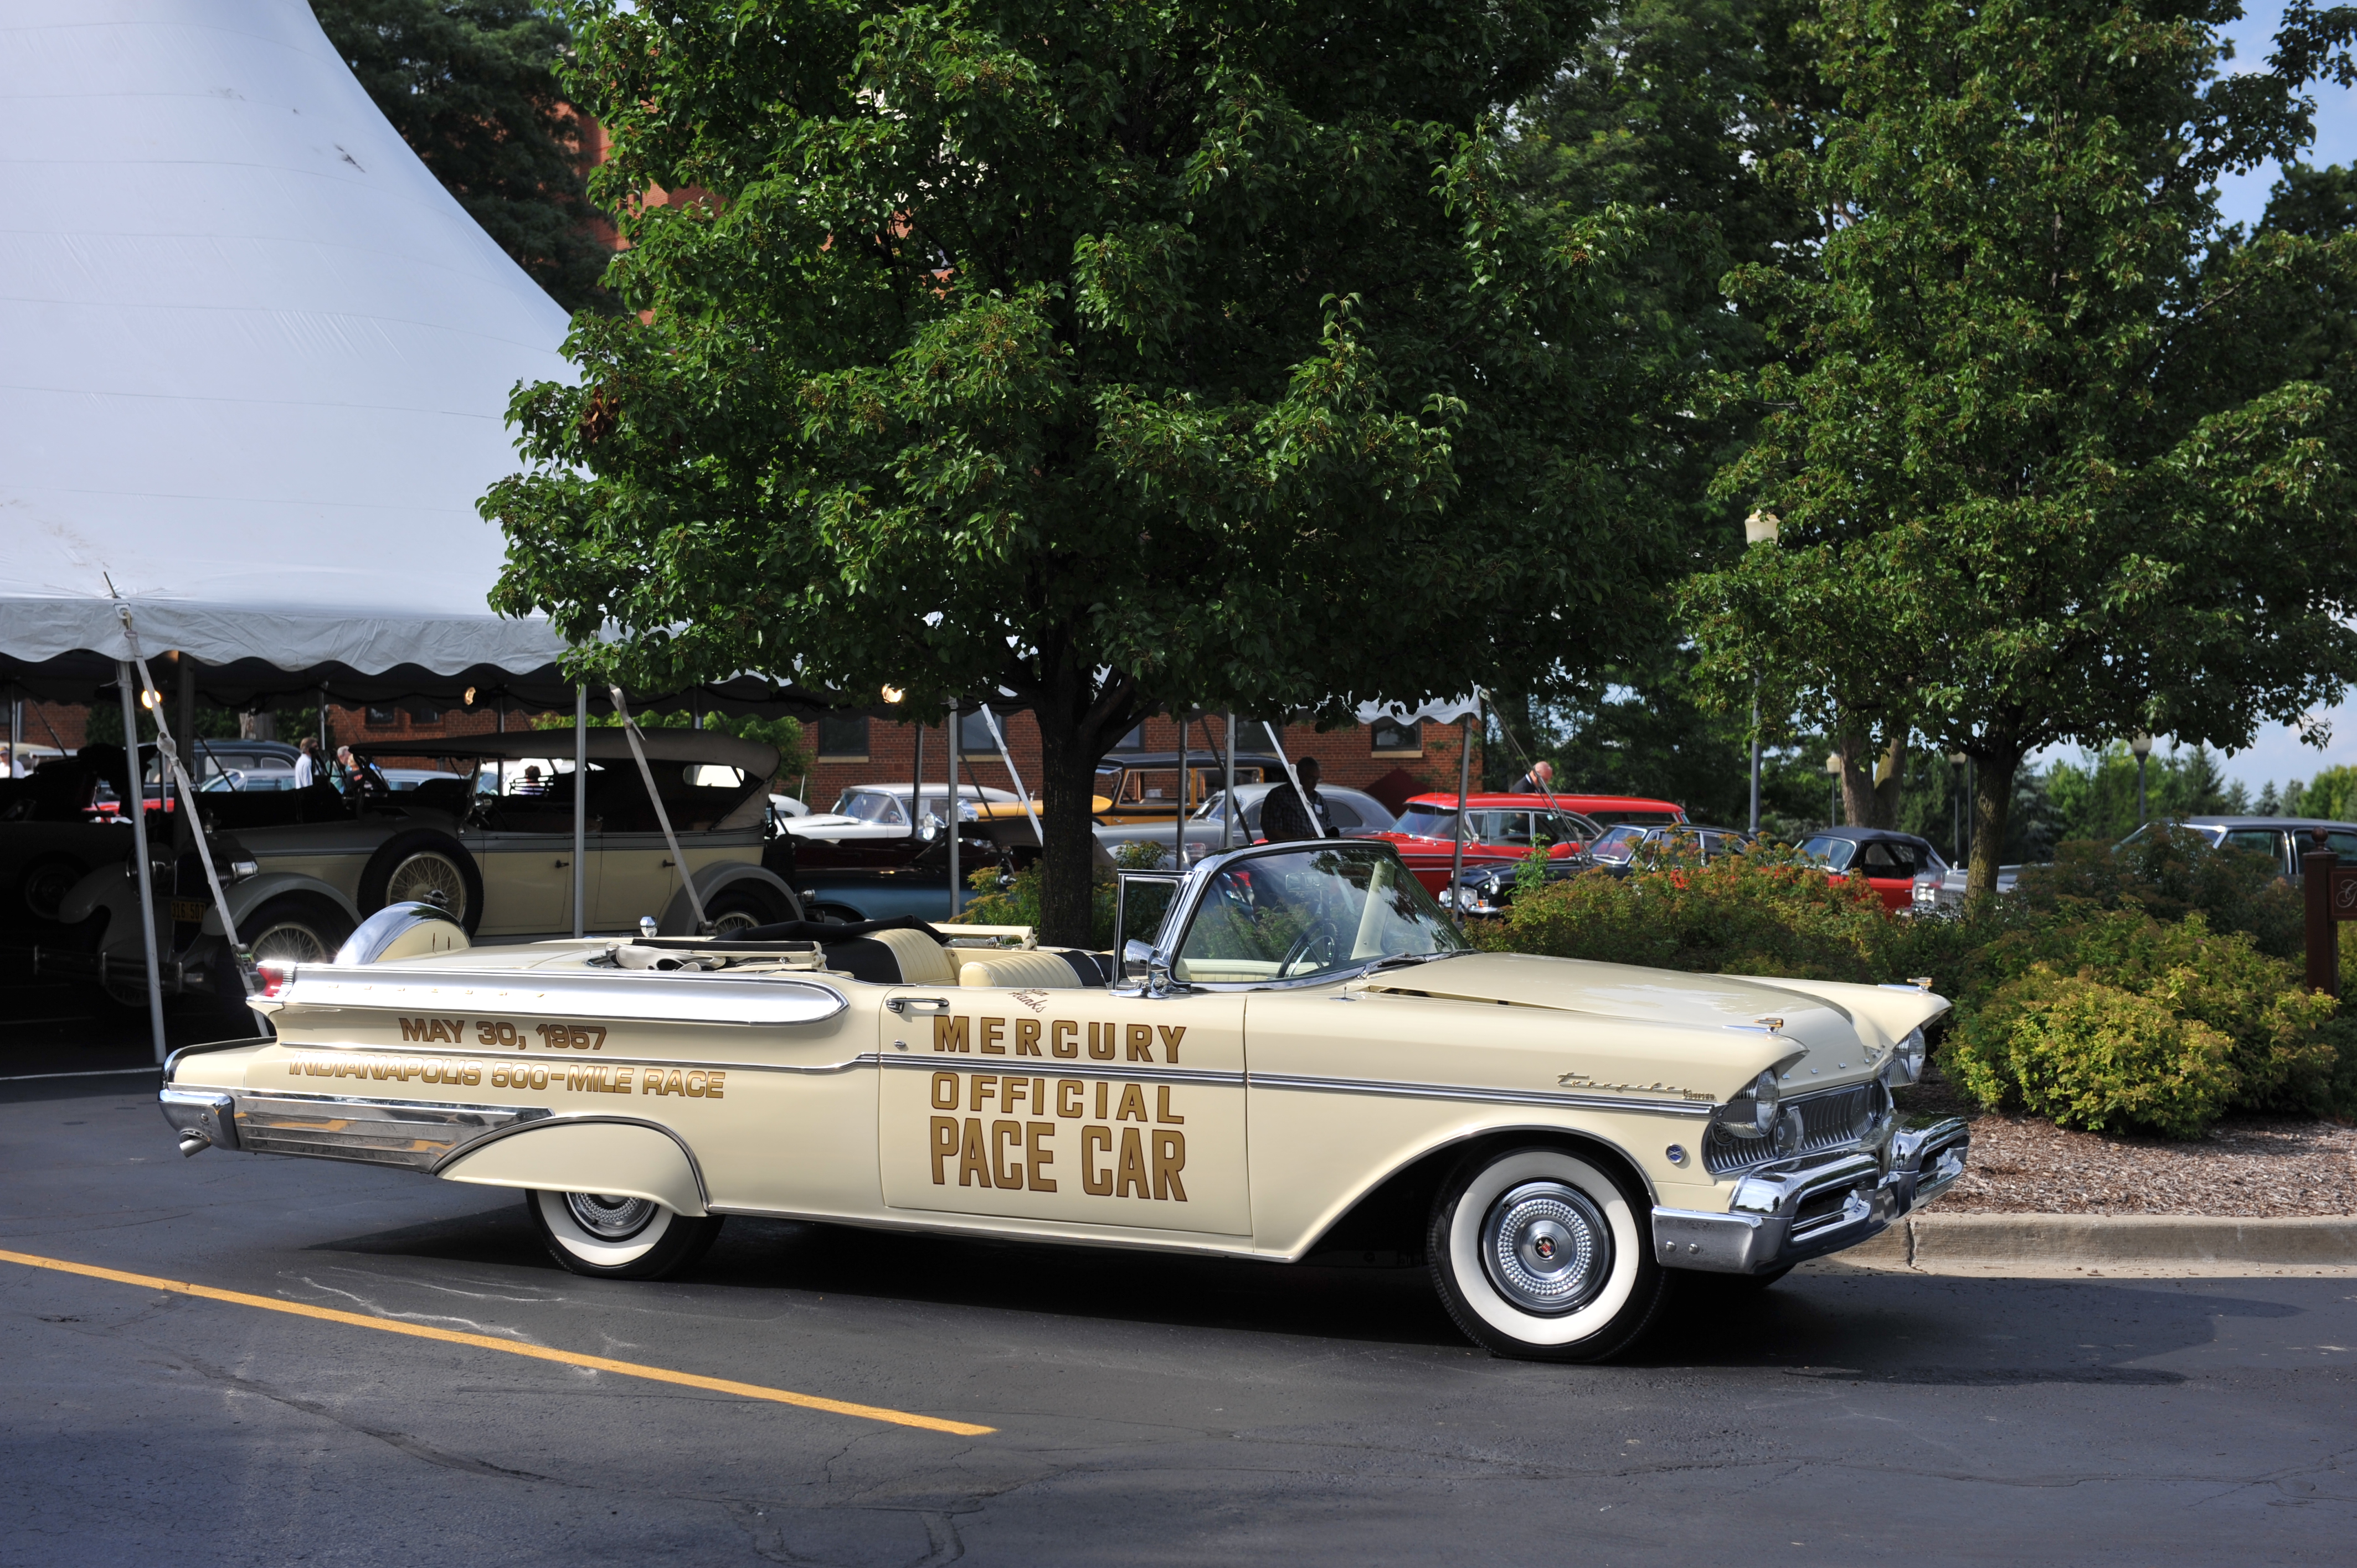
[[571, 1058], [1695, 1108], [1025, 1067]]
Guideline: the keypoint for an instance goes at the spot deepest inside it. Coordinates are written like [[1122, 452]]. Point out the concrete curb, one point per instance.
[[1934, 1242]]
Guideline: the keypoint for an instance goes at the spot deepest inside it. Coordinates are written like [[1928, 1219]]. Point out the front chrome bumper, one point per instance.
[[1780, 1217]]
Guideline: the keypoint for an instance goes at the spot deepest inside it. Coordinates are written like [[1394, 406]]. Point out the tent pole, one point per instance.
[[327, 751], [135, 802], [185, 832], [580, 805], [1298, 792], [15, 733], [951, 804], [1178, 830], [998, 735], [917, 790], [1464, 784], [1228, 808]]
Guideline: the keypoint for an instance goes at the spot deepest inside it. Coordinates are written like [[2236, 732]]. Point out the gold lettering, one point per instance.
[[985, 1085], [1171, 1038], [1170, 1159], [1102, 1049], [472, 1075], [1036, 1157], [1162, 1106], [993, 1031], [452, 1029], [621, 1084], [695, 1082], [945, 1081], [490, 1034], [1057, 1044], [973, 1157], [1095, 1182], [1068, 1091], [1011, 1090], [1101, 1104], [945, 1141], [416, 1029], [1141, 1042], [1133, 1104], [1133, 1165], [949, 1033], [1026, 1036], [1002, 1134], [716, 1086]]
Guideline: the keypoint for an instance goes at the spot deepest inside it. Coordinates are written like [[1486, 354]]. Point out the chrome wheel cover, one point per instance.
[[1546, 1248], [428, 876], [609, 1219]]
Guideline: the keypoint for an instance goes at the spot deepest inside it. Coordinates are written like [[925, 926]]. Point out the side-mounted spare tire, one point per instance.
[[426, 865]]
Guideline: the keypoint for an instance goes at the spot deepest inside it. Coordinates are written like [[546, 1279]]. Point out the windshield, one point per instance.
[[871, 805], [1434, 822], [1306, 913], [1833, 854], [1617, 843]]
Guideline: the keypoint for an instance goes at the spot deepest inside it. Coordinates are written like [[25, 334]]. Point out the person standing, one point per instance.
[[1285, 816], [1539, 780], [307, 763]]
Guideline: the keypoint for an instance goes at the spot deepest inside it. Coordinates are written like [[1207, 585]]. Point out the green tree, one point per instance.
[[1094, 360], [471, 86], [2047, 425]]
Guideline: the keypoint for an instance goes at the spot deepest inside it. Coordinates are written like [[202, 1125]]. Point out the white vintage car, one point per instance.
[[1306, 1062]]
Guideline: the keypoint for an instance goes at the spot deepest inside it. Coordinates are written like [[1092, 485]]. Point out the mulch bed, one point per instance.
[[2247, 1167]]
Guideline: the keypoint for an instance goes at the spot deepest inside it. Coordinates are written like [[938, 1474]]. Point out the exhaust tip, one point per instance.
[[193, 1142]]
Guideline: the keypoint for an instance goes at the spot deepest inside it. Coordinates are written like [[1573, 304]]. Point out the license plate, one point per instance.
[[190, 911]]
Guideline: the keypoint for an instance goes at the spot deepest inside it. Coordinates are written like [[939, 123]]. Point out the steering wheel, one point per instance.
[[1301, 948]]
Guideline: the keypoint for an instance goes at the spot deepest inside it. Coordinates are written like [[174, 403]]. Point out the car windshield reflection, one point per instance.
[[1833, 854], [1308, 913]]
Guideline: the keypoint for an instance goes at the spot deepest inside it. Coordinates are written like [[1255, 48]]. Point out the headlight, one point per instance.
[[1752, 1113], [1906, 1063]]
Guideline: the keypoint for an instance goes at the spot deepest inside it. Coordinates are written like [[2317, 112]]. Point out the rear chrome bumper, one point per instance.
[[408, 1136], [1780, 1217]]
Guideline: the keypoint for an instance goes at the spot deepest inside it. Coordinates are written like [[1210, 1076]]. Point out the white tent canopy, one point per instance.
[[257, 360]]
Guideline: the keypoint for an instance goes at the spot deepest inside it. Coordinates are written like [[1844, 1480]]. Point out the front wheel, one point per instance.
[[1541, 1253], [741, 909], [613, 1238]]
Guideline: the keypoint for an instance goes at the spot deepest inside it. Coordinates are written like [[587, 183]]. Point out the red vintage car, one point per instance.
[[1505, 827]]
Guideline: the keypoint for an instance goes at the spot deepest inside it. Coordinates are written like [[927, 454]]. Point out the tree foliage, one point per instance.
[[2052, 461], [471, 86], [1102, 358]]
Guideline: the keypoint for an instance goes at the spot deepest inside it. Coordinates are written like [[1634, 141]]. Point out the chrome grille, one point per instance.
[[374, 1131], [1830, 1119]]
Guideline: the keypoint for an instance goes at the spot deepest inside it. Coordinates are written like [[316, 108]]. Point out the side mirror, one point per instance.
[[929, 829], [1137, 958]]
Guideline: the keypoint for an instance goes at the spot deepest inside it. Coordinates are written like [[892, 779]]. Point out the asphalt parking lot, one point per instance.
[[1140, 1409]]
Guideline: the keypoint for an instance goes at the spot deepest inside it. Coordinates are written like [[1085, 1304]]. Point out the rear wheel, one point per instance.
[[46, 882], [614, 1238], [1542, 1253], [424, 867], [742, 909], [296, 927]]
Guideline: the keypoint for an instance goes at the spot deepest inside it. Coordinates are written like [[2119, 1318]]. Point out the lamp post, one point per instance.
[[1833, 789], [1760, 528], [1957, 801], [2142, 746]]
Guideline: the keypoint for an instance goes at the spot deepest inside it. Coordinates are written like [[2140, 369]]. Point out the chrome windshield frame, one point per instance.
[[1180, 916]]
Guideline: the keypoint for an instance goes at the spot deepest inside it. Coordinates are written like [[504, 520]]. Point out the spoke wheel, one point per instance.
[[429, 877]]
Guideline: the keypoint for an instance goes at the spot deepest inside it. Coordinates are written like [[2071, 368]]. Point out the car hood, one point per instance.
[[1820, 1016]]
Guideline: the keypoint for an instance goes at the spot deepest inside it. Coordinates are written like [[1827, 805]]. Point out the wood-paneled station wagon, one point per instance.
[[1306, 1061]]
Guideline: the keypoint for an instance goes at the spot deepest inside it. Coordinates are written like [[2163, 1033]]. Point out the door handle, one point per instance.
[[667, 864], [904, 1005], [562, 864]]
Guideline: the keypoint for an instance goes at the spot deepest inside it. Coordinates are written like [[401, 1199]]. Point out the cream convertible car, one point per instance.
[[1311, 1062]]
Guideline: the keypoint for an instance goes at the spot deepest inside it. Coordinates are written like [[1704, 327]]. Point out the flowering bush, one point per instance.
[[2095, 1056]]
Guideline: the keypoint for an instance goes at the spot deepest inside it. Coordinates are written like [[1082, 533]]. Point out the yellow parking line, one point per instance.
[[485, 1342]]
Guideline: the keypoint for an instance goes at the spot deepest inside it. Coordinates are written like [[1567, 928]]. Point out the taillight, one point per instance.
[[271, 978]]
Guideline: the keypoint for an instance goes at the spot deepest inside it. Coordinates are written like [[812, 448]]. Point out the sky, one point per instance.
[[2279, 752]]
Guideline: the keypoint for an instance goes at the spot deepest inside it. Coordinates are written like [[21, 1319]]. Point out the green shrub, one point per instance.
[[2089, 1055], [2169, 872], [2221, 980]]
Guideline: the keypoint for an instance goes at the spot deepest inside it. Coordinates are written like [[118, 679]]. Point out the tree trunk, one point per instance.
[[1867, 801], [1068, 764], [1991, 801]]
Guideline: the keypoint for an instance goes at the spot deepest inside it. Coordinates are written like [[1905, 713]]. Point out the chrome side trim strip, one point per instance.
[[694, 1166], [1486, 1096], [405, 1135], [575, 1058], [1025, 1067], [667, 998]]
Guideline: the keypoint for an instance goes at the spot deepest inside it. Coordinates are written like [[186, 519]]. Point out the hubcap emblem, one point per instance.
[[1546, 1248]]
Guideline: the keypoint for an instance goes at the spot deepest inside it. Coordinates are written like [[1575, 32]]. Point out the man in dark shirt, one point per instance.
[[1282, 817]]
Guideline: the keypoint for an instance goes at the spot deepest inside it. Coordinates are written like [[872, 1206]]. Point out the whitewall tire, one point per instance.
[[1540, 1252], [613, 1238]]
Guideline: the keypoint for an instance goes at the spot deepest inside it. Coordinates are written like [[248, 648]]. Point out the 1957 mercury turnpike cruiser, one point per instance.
[[1306, 1062]]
